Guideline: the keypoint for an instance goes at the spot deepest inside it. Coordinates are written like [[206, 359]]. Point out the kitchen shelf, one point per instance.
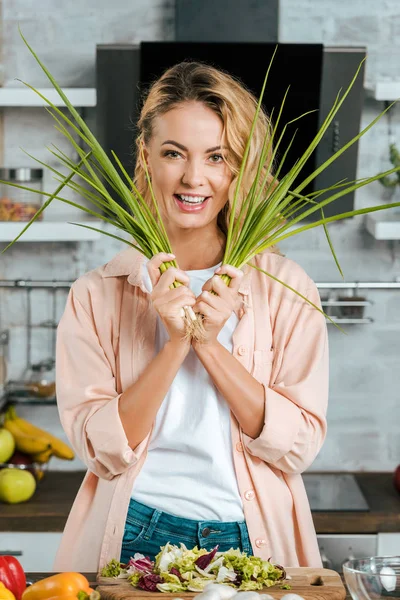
[[384, 227], [346, 303], [26, 400], [79, 97], [50, 231], [349, 321]]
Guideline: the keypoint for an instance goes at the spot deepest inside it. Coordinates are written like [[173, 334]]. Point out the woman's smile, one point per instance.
[[191, 203]]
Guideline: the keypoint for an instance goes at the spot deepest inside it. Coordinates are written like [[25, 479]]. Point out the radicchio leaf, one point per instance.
[[149, 582], [283, 576], [174, 571], [203, 561], [142, 564], [239, 578]]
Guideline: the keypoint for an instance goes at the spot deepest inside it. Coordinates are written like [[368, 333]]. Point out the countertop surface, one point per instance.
[[91, 577], [48, 509]]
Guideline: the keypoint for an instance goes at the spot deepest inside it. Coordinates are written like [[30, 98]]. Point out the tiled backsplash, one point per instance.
[[364, 409]]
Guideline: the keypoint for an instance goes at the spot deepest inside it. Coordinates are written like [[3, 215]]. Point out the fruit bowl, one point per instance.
[[38, 470], [372, 578]]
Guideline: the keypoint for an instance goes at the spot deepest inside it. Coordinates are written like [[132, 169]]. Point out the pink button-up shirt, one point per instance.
[[106, 339]]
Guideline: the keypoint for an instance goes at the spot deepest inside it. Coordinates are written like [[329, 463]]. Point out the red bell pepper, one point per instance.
[[12, 575]]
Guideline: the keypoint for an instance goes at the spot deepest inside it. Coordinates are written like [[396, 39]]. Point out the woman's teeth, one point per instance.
[[191, 199]]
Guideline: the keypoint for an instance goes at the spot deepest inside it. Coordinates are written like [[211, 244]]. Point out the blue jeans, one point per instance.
[[146, 529]]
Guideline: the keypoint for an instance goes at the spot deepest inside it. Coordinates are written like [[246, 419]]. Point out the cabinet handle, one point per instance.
[[11, 553]]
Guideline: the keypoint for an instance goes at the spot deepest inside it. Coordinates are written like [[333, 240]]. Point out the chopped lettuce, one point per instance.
[[112, 569], [197, 584], [225, 574], [170, 587], [134, 578], [178, 569]]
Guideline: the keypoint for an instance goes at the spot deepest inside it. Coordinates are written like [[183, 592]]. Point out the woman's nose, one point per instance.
[[193, 174]]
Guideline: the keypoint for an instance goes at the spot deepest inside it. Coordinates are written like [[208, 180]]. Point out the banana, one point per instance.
[[60, 449], [43, 457], [29, 444]]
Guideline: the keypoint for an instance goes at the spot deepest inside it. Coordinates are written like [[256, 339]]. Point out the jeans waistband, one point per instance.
[[142, 513]]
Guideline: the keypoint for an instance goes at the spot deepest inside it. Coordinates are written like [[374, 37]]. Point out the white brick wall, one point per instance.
[[365, 378]]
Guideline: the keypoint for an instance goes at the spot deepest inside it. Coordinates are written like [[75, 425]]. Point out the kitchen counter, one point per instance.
[[48, 509], [91, 577]]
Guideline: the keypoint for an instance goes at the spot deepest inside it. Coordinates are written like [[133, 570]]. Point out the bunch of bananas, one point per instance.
[[32, 440]]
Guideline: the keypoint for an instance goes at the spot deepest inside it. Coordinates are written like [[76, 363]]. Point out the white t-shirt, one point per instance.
[[189, 470]]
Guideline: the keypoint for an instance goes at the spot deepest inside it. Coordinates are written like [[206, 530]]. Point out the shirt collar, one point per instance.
[[129, 263]]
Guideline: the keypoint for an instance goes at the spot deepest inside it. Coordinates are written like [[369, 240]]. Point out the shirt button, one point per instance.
[[242, 350], [260, 542], [239, 447], [206, 532], [249, 495]]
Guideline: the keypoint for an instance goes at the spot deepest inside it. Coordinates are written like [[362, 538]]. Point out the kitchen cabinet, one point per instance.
[[35, 551], [335, 549], [388, 544]]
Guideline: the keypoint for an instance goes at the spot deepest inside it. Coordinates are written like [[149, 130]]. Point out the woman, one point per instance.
[[202, 443]]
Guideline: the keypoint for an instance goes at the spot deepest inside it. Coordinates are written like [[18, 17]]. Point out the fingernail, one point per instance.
[[172, 255], [218, 270]]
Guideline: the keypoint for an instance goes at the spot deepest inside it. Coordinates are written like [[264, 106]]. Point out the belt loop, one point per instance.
[[152, 524], [244, 535]]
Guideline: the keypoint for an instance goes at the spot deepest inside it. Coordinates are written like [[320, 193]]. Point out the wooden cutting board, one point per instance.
[[311, 584]]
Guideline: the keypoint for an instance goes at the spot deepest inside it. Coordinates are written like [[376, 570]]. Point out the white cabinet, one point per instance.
[[35, 551], [388, 544]]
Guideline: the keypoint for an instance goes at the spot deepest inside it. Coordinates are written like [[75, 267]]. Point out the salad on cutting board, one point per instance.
[[178, 569]]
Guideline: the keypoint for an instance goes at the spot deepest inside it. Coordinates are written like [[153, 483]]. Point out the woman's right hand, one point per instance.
[[169, 302]]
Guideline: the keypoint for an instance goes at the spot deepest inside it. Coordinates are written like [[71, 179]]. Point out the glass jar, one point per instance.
[[17, 204], [40, 380]]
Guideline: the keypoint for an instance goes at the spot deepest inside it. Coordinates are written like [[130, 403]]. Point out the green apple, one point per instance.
[[16, 485], [7, 445]]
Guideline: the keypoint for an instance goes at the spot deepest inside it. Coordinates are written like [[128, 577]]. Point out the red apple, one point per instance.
[[20, 458]]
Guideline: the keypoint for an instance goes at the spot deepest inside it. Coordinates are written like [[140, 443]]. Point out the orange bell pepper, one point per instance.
[[94, 595], [61, 586], [5, 593]]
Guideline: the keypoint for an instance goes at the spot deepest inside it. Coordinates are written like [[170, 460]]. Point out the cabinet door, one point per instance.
[[35, 551], [388, 544]]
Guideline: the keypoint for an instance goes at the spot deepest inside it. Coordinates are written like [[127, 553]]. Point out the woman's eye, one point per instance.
[[171, 153], [216, 158]]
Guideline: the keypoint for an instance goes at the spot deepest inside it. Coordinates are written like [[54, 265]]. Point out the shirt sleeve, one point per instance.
[[296, 401], [86, 395]]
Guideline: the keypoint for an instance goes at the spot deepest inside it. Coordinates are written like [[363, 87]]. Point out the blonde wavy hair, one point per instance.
[[190, 81]]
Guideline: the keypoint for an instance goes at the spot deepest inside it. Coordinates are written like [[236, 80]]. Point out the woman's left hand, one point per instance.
[[218, 309]]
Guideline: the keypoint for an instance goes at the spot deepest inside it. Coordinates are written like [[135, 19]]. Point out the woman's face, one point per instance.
[[188, 173]]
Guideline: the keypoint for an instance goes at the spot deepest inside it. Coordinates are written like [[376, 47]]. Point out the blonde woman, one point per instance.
[[200, 443]]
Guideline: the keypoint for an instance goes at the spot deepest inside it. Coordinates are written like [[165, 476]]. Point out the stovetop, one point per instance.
[[334, 492]]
